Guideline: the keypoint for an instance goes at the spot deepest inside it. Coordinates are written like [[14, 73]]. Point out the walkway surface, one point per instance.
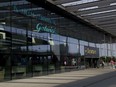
[[82, 78]]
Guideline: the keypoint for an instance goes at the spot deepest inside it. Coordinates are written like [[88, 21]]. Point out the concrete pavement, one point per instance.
[[80, 78]]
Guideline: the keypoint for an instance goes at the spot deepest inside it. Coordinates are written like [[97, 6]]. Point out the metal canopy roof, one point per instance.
[[101, 13]]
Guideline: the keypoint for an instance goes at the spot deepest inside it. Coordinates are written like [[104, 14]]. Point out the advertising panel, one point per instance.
[[91, 52]]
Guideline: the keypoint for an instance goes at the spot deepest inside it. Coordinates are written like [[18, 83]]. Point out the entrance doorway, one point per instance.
[[91, 62]]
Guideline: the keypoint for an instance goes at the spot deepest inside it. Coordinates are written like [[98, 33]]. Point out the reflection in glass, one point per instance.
[[72, 48], [85, 43], [72, 40]]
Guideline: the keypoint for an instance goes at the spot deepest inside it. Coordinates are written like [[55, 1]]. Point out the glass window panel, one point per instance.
[[100, 52], [109, 52], [81, 50], [63, 38], [104, 52], [72, 40], [104, 46], [91, 44], [113, 46], [56, 42], [73, 48], [114, 53], [7, 28], [98, 45], [56, 48], [39, 48], [85, 43], [44, 35], [109, 46], [63, 48], [55, 36]]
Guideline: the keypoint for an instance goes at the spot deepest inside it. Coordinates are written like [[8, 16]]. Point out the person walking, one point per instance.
[[102, 63], [112, 64]]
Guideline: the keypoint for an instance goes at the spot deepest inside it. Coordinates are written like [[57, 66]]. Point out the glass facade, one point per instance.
[[35, 41]]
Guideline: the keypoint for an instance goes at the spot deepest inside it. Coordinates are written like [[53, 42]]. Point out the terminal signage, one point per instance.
[[29, 12], [91, 52], [40, 27]]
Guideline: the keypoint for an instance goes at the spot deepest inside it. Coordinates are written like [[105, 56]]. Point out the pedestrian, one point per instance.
[[102, 63], [98, 63], [65, 63], [112, 64]]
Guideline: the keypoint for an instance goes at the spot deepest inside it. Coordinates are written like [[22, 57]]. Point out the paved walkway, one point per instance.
[[81, 78]]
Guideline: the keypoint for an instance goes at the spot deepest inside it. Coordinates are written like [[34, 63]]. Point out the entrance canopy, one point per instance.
[[101, 13]]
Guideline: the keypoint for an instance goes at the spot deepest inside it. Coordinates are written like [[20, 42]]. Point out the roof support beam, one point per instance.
[[112, 28], [103, 20], [58, 2], [99, 9], [106, 23], [99, 15], [105, 26], [91, 4]]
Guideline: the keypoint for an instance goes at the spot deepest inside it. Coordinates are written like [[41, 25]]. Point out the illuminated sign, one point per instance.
[[91, 52], [29, 12], [40, 27]]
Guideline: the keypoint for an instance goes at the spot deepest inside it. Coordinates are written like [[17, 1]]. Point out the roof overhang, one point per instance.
[[97, 17]]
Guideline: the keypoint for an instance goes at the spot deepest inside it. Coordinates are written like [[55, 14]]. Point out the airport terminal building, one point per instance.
[[41, 38]]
